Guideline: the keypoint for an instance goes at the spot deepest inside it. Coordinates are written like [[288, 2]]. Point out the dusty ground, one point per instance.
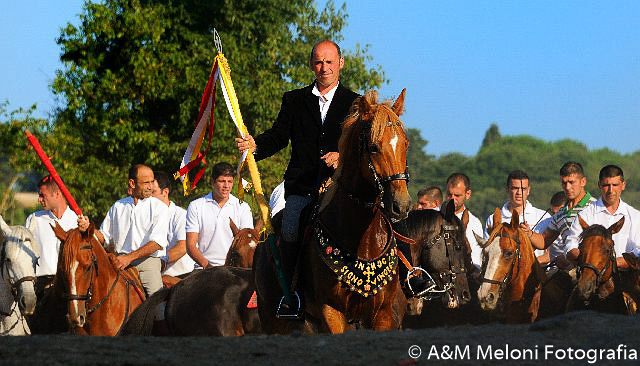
[[579, 330]]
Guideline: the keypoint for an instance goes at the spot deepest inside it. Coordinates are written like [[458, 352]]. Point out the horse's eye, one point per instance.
[[374, 148], [507, 254]]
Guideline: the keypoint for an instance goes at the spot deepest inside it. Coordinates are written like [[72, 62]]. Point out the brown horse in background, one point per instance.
[[512, 281], [352, 230], [100, 297], [600, 286]]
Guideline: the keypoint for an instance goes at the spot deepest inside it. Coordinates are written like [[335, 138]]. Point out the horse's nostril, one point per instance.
[[490, 297], [81, 320]]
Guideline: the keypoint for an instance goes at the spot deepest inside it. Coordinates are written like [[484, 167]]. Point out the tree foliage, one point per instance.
[[134, 71]]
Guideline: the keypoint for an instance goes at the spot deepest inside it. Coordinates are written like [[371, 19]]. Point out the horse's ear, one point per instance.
[[259, 225], [5, 229], [398, 106], [613, 229], [583, 223], [515, 219], [632, 260], [482, 242], [497, 219], [364, 108], [234, 228], [465, 219], [60, 233], [449, 210]]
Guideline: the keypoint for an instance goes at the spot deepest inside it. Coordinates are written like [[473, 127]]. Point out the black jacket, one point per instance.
[[299, 121]]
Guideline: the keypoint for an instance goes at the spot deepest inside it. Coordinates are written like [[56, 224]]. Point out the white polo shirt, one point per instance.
[[474, 225], [177, 222], [627, 240], [211, 222], [40, 222], [532, 215], [131, 226]]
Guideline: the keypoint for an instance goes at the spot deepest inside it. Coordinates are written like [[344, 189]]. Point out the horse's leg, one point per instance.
[[334, 320]]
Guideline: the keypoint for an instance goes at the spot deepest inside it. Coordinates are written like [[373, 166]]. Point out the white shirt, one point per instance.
[[211, 222], [177, 232], [40, 223], [474, 225], [276, 200], [532, 215], [324, 101], [130, 226], [627, 240]]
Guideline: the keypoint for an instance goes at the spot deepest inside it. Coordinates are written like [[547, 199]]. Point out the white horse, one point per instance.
[[19, 255]]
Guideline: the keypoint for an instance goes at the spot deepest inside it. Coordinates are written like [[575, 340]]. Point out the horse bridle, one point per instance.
[[378, 179], [517, 256], [14, 285], [611, 262]]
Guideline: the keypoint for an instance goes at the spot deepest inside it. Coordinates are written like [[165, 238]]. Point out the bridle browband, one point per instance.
[[517, 256], [379, 180]]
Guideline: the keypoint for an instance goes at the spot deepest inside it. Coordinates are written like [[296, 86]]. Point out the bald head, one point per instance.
[[326, 62]]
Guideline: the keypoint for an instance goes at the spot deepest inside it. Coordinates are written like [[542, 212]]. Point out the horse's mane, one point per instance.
[[376, 117], [419, 224], [595, 230]]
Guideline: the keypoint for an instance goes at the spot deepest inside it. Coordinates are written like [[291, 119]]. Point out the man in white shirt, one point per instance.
[[209, 235], [55, 209], [554, 237], [459, 189], [606, 211], [137, 227], [518, 189], [178, 264]]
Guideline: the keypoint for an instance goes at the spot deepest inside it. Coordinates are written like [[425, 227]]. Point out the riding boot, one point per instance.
[[416, 285], [290, 306]]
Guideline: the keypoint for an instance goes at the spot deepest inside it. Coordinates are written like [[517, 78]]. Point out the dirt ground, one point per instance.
[[546, 342]]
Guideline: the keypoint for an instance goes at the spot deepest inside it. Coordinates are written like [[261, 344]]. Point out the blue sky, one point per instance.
[[551, 69]]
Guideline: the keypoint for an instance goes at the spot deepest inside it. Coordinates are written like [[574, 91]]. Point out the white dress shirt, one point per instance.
[[40, 223], [177, 232], [324, 101], [211, 222], [533, 216], [627, 240], [474, 225], [130, 226]]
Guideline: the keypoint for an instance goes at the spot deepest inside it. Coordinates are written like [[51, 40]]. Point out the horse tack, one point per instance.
[[611, 262], [506, 281]]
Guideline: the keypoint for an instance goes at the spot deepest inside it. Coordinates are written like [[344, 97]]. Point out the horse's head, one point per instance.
[[18, 258], [502, 257], [374, 147], [243, 246], [597, 260], [77, 267]]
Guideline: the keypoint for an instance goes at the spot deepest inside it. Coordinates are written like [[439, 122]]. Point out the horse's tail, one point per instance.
[[141, 320]]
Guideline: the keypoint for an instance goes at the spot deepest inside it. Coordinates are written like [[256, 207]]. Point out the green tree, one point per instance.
[[134, 71], [492, 135]]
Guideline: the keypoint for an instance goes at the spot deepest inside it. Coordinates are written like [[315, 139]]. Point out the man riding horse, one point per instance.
[[311, 117]]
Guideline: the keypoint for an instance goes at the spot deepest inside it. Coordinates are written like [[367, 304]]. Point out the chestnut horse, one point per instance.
[[348, 263], [600, 284], [100, 297]]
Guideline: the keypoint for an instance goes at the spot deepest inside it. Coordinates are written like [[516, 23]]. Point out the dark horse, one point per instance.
[[441, 254], [211, 302], [100, 297], [348, 266], [600, 284]]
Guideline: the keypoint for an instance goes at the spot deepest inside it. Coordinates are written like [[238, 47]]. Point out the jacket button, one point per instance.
[[321, 152]]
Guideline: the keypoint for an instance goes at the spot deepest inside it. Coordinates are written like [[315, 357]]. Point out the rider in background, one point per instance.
[[606, 211]]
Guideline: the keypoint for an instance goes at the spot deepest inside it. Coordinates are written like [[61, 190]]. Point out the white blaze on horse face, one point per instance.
[[393, 142], [493, 253], [253, 244], [74, 267]]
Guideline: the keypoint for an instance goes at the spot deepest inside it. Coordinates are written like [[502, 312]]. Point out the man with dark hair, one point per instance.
[[209, 235], [554, 236], [459, 190], [136, 227], [311, 118], [557, 201], [176, 260], [518, 189], [429, 198], [606, 211], [54, 209]]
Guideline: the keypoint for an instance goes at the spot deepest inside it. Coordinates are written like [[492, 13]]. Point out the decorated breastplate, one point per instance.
[[366, 277]]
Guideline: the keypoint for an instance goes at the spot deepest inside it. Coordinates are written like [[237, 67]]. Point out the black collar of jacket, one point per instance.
[[337, 101]]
